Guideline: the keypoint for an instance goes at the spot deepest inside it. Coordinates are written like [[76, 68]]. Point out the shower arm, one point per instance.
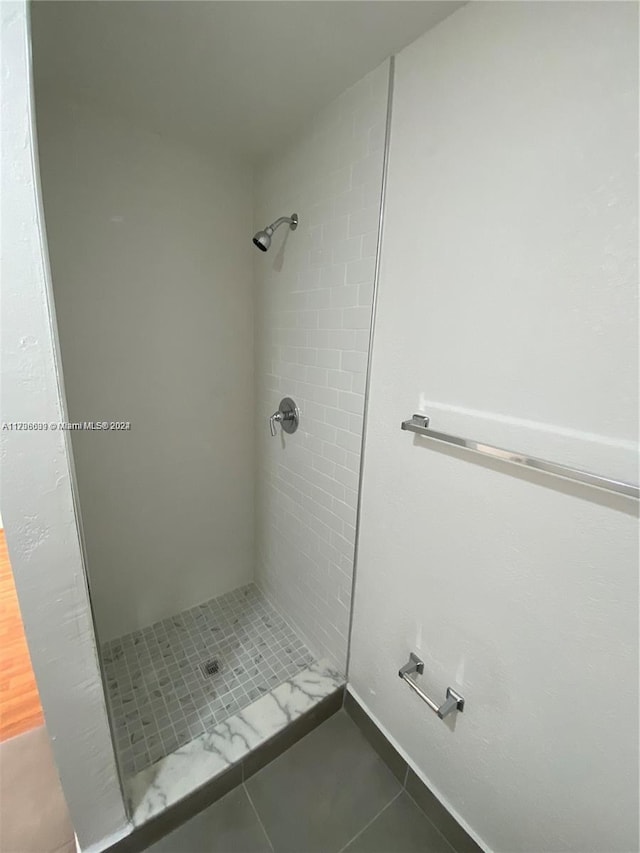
[[292, 220]]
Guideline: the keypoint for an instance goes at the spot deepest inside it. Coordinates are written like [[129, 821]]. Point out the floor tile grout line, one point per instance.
[[64, 845], [426, 817], [373, 819], [257, 814]]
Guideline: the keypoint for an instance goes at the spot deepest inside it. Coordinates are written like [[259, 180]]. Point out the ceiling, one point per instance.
[[240, 74]]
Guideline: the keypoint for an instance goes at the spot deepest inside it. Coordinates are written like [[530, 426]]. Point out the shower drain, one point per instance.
[[210, 667]]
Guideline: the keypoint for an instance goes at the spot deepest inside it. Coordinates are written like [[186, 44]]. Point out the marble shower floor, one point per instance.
[[160, 698]]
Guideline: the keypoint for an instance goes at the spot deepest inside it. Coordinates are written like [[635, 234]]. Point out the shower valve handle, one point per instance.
[[275, 418], [287, 416]]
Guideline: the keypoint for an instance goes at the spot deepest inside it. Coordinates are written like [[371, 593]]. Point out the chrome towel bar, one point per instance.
[[420, 424], [453, 701]]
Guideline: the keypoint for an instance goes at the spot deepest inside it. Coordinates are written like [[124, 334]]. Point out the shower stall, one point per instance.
[[218, 497]]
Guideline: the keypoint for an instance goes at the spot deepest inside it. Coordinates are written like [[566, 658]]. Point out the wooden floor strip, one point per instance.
[[20, 708]]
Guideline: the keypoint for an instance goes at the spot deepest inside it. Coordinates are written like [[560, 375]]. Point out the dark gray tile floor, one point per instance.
[[328, 793]]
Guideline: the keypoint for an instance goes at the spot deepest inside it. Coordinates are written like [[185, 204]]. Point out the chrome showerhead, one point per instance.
[[262, 239]]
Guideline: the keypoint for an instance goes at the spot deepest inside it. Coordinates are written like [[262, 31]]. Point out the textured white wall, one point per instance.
[[151, 260], [313, 310], [37, 500], [507, 309]]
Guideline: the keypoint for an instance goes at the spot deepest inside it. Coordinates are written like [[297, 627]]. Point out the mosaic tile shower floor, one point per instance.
[[158, 695]]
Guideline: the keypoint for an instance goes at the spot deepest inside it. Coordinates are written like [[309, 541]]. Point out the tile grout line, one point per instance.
[[373, 819], [257, 814], [64, 845], [406, 791], [426, 817]]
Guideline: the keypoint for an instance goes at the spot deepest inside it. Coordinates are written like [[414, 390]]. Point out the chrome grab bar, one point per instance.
[[420, 425], [453, 701]]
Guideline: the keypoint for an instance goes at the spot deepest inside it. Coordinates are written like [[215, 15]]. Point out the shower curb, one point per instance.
[[160, 825]]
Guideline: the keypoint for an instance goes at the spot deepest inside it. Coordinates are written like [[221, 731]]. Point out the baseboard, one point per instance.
[[156, 828], [457, 836]]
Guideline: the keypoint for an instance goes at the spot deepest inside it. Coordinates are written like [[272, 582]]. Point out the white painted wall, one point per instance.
[[313, 310], [507, 310], [37, 500], [151, 260]]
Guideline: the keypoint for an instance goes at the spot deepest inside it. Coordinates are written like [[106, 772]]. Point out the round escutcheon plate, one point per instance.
[[290, 415]]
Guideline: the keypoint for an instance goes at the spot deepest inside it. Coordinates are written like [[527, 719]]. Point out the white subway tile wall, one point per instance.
[[313, 318]]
